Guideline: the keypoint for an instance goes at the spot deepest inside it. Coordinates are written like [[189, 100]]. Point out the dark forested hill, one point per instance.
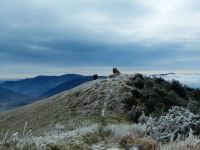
[[66, 86], [9, 99], [35, 87]]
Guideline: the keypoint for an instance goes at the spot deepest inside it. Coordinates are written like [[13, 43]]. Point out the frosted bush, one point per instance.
[[178, 121]]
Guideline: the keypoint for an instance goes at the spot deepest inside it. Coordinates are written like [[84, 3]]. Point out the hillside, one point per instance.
[[37, 85], [114, 103], [9, 99], [84, 102], [116, 95]]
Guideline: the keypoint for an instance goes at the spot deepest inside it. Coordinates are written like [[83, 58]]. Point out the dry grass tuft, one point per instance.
[[190, 143], [146, 143]]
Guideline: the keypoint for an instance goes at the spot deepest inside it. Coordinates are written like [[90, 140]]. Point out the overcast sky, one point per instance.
[[89, 36]]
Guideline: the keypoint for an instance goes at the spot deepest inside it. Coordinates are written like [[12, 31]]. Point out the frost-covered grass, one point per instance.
[[177, 122], [86, 136], [190, 143], [118, 131], [15, 141]]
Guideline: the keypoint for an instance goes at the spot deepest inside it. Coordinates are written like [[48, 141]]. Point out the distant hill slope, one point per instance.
[[118, 99], [1, 81], [10, 99], [66, 86], [35, 87]]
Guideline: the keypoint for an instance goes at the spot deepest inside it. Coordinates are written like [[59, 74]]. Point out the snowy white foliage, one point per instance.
[[118, 131], [178, 121], [26, 140], [190, 143]]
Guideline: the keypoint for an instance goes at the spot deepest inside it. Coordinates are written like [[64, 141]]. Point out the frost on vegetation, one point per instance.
[[176, 123], [190, 143], [30, 142], [13, 140], [27, 141], [118, 131]]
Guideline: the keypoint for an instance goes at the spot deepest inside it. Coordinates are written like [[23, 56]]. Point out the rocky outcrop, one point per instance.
[[95, 77], [116, 72]]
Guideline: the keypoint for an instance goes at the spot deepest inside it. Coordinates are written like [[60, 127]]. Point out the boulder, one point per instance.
[[95, 77], [116, 72]]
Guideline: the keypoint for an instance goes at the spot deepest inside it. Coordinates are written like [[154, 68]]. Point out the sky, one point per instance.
[[54, 37]]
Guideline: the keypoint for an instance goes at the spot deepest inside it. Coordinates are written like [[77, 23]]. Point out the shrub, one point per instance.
[[160, 80], [139, 83], [193, 106], [149, 83], [178, 121], [171, 99], [129, 102], [135, 113], [136, 93], [177, 87], [138, 76], [197, 94], [160, 91]]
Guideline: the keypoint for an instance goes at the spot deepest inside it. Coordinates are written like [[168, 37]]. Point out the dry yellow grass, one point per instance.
[[147, 143]]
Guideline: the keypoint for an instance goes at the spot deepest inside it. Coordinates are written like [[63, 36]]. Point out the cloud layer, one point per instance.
[[137, 34]]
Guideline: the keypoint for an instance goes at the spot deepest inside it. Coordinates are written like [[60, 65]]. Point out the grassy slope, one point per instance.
[[86, 104], [74, 108]]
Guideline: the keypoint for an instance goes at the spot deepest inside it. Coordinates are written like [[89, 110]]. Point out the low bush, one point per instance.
[[197, 94], [177, 122], [178, 88], [139, 83]]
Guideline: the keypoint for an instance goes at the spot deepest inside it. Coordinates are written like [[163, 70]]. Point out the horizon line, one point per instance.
[[106, 72]]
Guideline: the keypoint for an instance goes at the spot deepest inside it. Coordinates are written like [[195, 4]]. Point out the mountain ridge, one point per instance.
[[121, 98], [66, 86], [9, 99], [37, 85]]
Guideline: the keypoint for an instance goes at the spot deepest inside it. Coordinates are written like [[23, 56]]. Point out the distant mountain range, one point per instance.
[[14, 93], [9, 99], [66, 86], [21, 92], [35, 87]]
